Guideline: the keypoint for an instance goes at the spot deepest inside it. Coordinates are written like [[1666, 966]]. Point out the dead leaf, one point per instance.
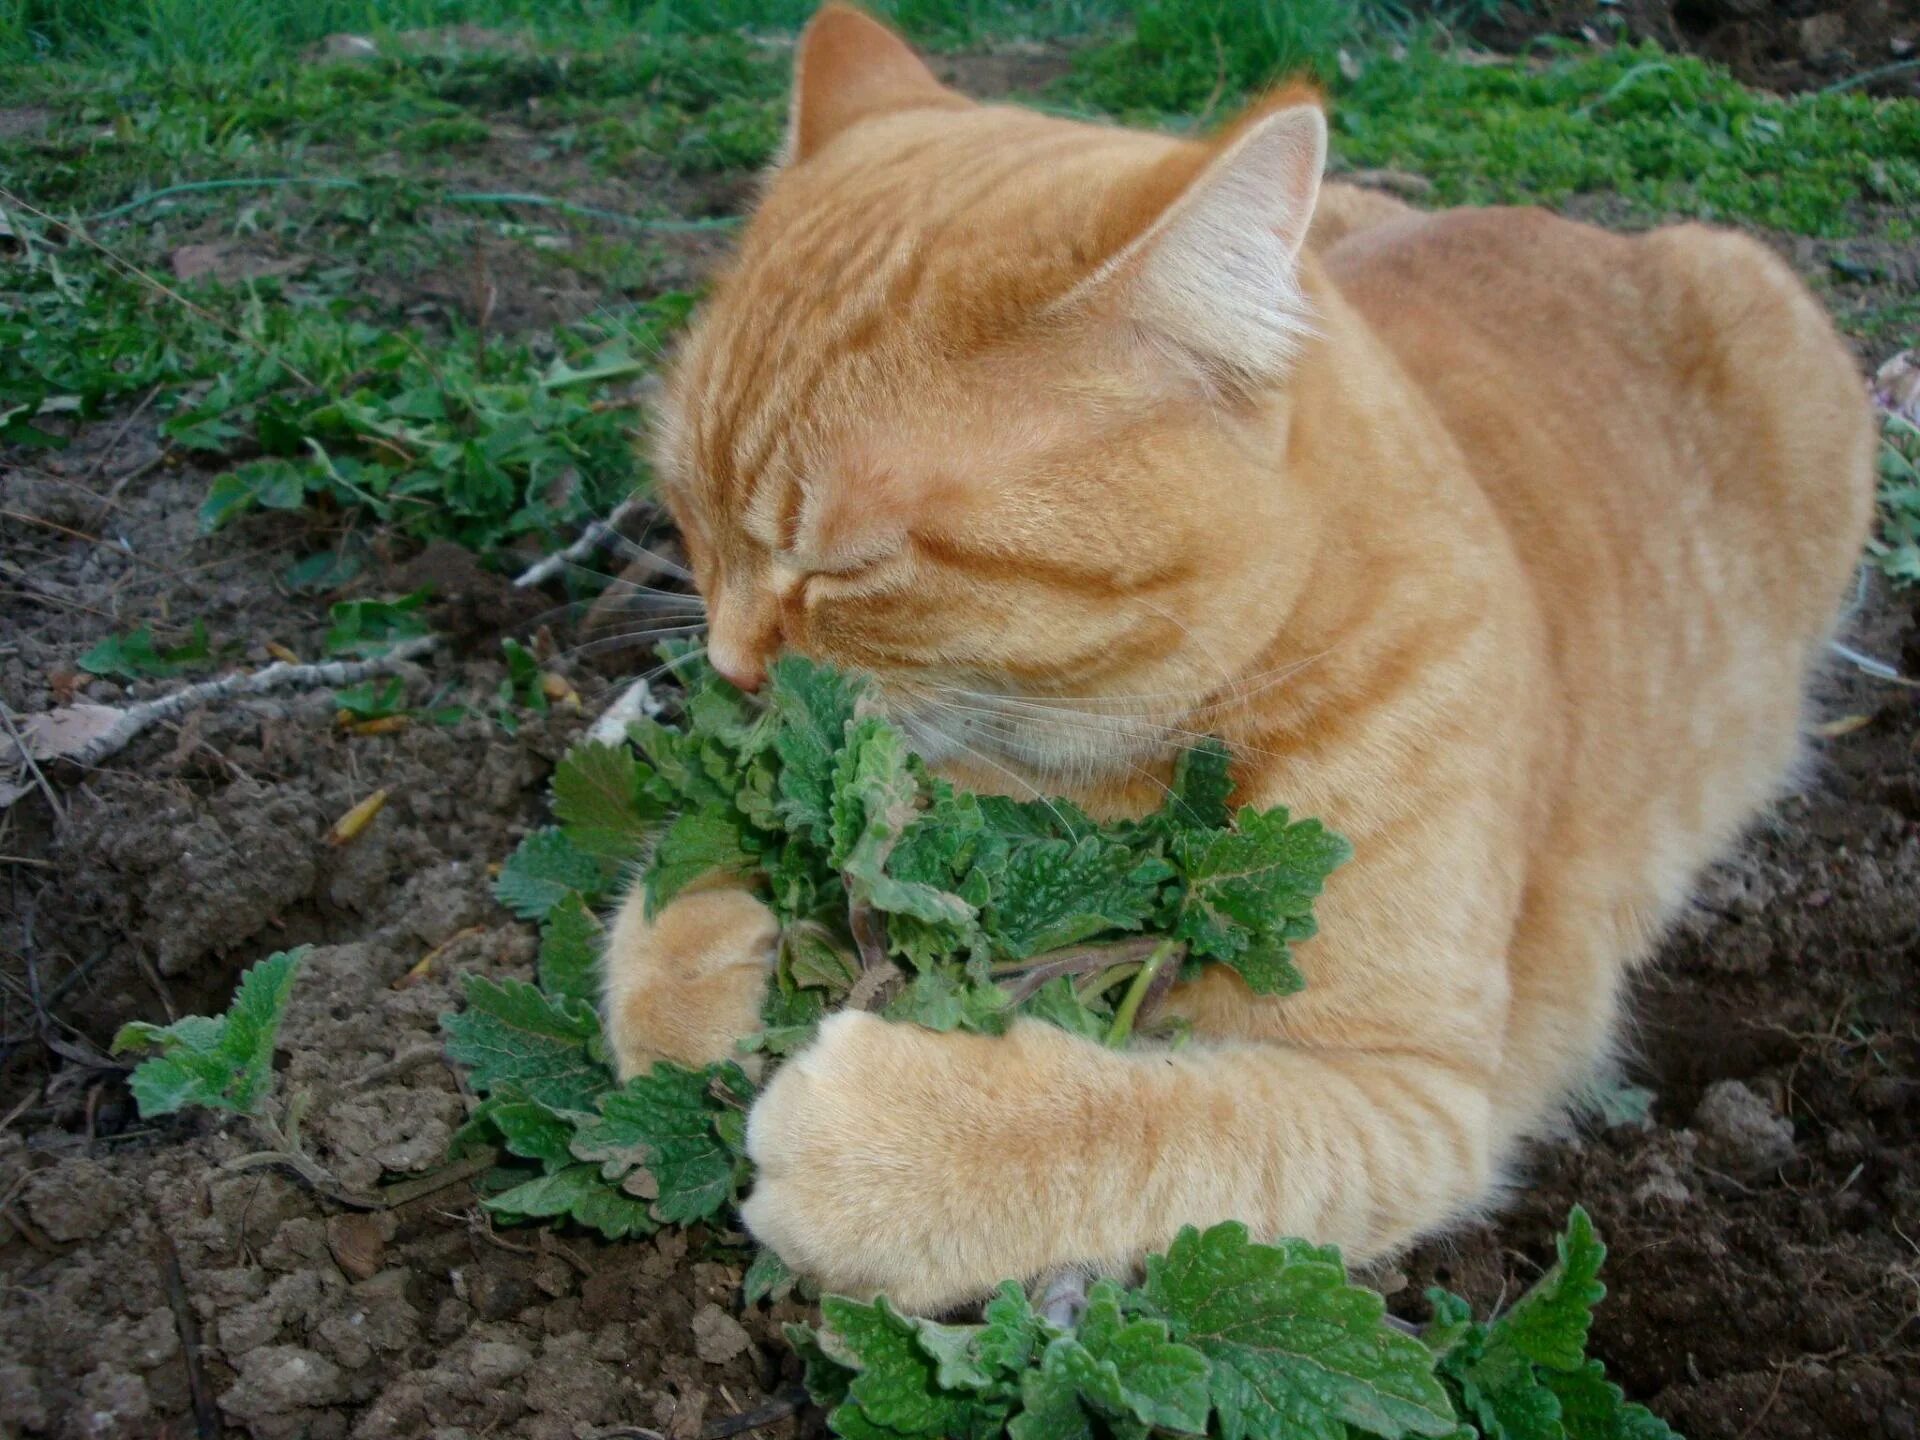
[[56, 734], [348, 827], [359, 1242], [422, 969]]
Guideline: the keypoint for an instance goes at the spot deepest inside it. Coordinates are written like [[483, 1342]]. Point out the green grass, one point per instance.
[[377, 174], [1672, 134]]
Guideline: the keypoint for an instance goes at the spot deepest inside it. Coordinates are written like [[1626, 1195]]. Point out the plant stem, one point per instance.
[[1137, 992]]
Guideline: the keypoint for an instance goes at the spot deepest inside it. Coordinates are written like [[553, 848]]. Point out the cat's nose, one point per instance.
[[742, 671]]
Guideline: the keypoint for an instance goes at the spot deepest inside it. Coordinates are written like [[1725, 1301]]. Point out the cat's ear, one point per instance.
[[1215, 272], [849, 67]]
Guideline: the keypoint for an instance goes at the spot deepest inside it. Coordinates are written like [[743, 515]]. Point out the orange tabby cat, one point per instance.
[[1503, 544]]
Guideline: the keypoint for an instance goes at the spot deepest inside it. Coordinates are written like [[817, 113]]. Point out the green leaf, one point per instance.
[[533, 1131], [1592, 1408], [322, 571], [1294, 1350], [698, 843], [372, 627], [896, 1389], [373, 699], [1131, 1368], [1201, 788], [1058, 1003], [1253, 884], [545, 869], [510, 1035], [576, 1193], [135, 656], [570, 951], [810, 706], [222, 1062], [1013, 1332], [941, 1000], [1050, 1407], [271, 484], [768, 1278], [1548, 1325], [1047, 894], [602, 798], [668, 1121]]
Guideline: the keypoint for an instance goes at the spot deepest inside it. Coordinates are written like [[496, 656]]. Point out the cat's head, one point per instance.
[[986, 406]]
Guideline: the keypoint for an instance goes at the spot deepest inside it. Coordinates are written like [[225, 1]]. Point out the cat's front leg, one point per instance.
[[929, 1166], [686, 984]]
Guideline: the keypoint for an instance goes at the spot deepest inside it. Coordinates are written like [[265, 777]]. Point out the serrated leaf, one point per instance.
[[896, 1389], [604, 798], [697, 844], [570, 939], [533, 1131], [1014, 1331], [768, 1278], [543, 871], [1201, 788], [811, 959], [826, 1378], [512, 1036], [222, 1062], [1257, 881], [1593, 1408], [1548, 1325], [135, 656], [1294, 1350], [1507, 1400], [577, 1193], [811, 705], [669, 1116], [1048, 893], [1057, 1003], [954, 1351], [940, 1000], [1050, 1407], [1267, 966], [873, 797], [1133, 1368]]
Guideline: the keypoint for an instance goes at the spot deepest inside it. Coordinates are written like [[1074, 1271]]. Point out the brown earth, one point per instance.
[[1763, 1216], [1775, 44]]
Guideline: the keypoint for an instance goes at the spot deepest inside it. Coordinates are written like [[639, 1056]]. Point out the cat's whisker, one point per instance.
[[947, 737], [1011, 736], [634, 550], [1232, 692], [1175, 736], [634, 587], [628, 640]]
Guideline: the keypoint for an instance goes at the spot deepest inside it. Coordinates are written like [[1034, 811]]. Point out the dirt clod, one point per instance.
[[1740, 1130], [717, 1336]]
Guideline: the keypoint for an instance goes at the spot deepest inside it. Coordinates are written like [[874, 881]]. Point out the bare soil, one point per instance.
[[1780, 45], [1764, 1216]]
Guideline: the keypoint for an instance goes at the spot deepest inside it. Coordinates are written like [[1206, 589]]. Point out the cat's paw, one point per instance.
[[894, 1159], [686, 985], [839, 1187]]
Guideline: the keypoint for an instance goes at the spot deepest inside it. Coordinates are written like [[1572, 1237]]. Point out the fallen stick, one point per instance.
[[99, 731], [597, 533]]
